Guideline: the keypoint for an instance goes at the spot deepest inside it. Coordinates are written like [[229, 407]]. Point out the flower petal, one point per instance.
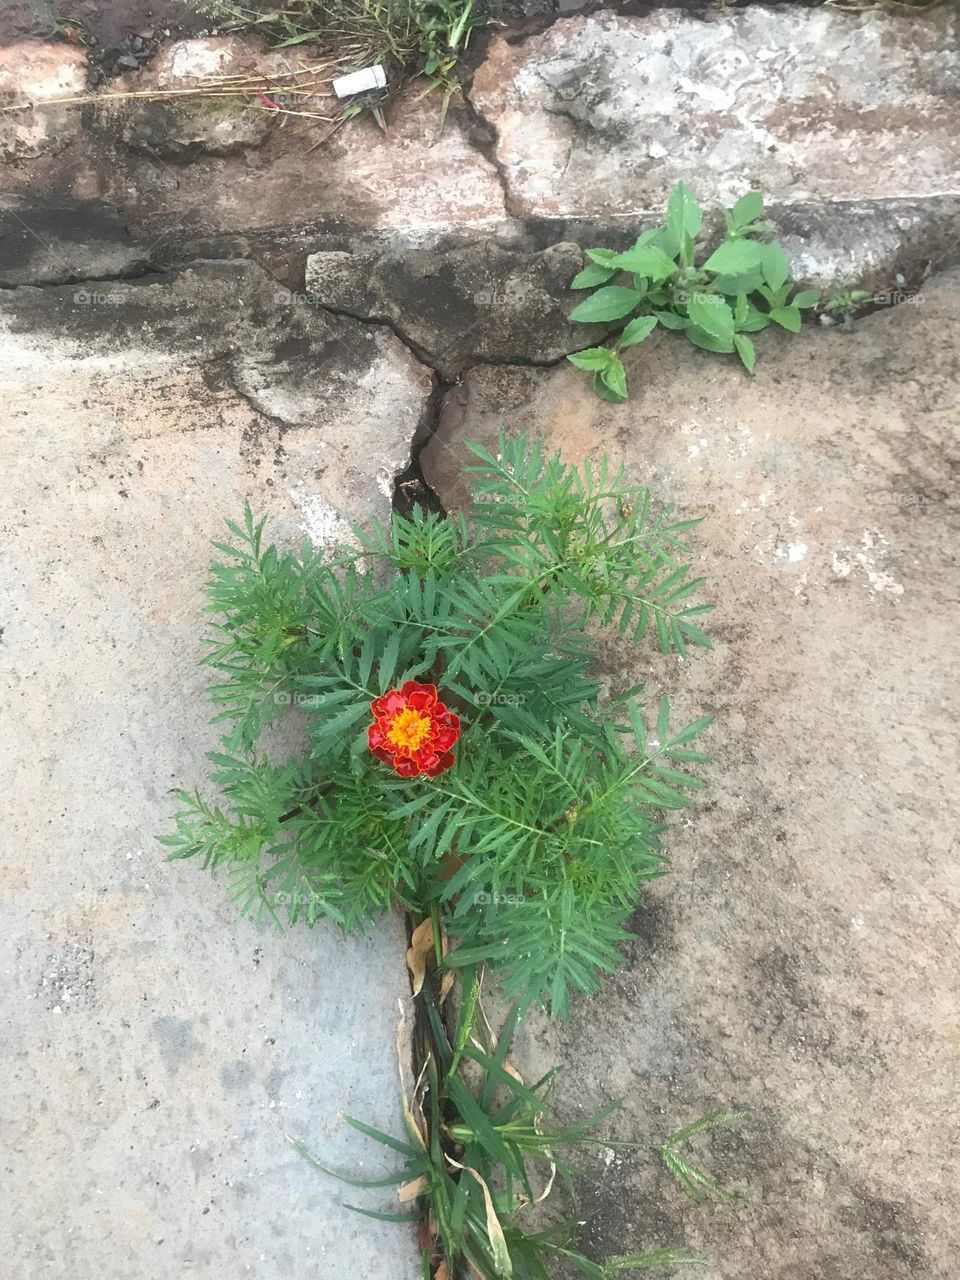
[[406, 768], [426, 756], [422, 697], [443, 762], [388, 705]]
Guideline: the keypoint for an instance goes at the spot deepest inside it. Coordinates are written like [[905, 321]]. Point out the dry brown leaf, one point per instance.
[[446, 985], [498, 1241], [412, 1125], [421, 947], [410, 1190], [442, 1272]]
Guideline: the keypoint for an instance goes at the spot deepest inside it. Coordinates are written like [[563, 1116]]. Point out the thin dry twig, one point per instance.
[[317, 76]]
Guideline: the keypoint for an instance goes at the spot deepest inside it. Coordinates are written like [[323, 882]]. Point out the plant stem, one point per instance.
[[467, 1016]]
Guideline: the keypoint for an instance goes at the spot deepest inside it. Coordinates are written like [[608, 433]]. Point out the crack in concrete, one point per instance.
[[410, 486], [485, 139]]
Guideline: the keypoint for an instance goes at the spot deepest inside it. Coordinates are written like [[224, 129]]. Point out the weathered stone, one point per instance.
[[870, 242], [414, 179], [55, 242], [31, 73], [799, 959], [480, 302], [158, 1049], [20, 18], [193, 61], [601, 115], [181, 127]]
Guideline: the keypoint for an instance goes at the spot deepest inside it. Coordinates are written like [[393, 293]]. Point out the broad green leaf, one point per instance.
[[639, 328], [747, 209], [755, 320], [776, 268], [745, 283], [745, 350], [683, 212], [711, 313], [604, 392], [701, 338], [664, 239], [611, 303], [592, 358], [601, 257], [787, 318], [670, 320], [646, 260], [615, 378], [805, 298], [734, 257], [591, 276]]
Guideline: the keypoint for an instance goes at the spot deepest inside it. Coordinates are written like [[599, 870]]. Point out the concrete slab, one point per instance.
[[574, 133], [604, 114], [800, 959], [158, 1049]]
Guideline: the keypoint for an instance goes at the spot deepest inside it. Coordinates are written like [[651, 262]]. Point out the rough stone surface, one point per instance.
[[871, 242], [180, 128], [479, 302], [597, 118], [32, 72], [157, 1048], [602, 115], [415, 179], [800, 958], [20, 18], [64, 240]]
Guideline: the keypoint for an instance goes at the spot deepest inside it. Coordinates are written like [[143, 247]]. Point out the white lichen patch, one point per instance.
[[868, 559], [324, 524]]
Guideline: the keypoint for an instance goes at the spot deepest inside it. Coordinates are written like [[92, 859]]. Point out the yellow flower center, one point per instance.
[[409, 729]]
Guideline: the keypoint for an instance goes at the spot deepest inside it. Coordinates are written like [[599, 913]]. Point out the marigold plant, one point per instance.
[[463, 762]]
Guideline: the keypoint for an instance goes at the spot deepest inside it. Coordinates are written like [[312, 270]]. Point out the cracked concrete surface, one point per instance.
[[159, 1049], [482, 302], [800, 958]]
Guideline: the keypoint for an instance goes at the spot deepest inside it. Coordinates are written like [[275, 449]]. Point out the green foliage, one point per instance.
[[476, 1155], [535, 845], [698, 1185], [741, 288], [844, 302]]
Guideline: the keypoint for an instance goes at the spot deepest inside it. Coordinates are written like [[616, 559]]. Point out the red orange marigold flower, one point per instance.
[[412, 730]]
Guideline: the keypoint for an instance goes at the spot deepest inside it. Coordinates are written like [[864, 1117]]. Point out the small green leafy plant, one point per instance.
[[844, 302], [697, 1184], [482, 1149], [739, 289], [534, 837], [465, 766]]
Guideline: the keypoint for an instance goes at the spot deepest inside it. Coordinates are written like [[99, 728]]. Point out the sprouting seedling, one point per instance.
[[697, 1184]]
